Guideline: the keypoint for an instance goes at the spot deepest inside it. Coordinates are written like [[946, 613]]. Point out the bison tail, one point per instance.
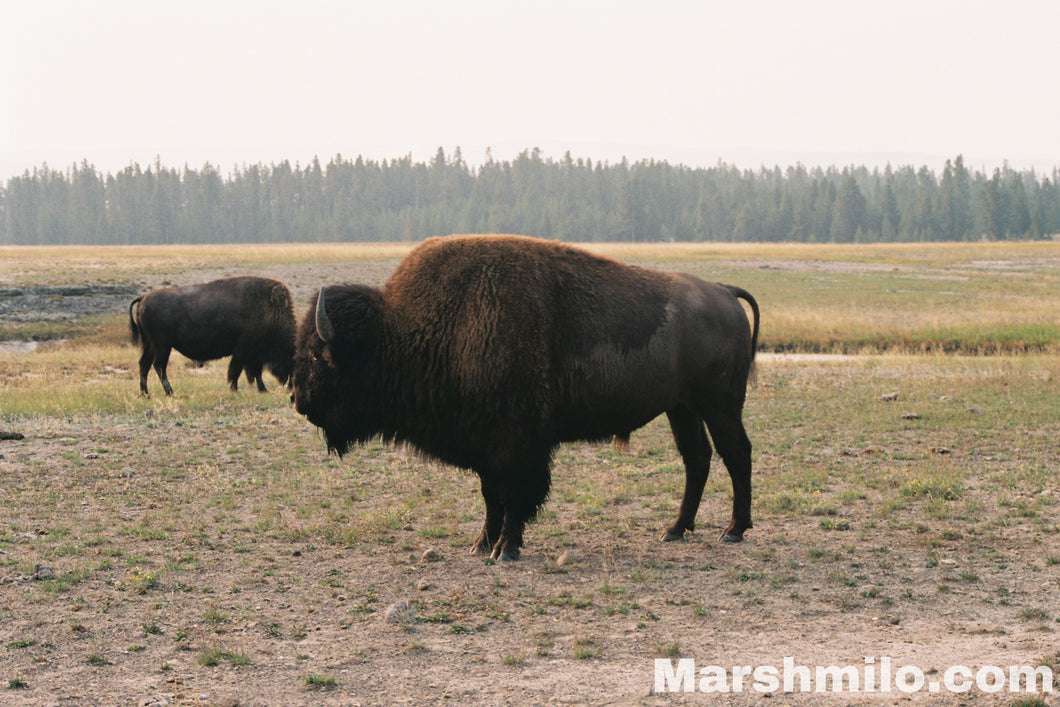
[[134, 324], [743, 294]]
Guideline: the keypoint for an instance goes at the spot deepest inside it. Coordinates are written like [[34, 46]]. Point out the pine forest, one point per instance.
[[570, 199]]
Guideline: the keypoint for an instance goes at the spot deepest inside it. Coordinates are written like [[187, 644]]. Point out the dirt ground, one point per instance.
[[576, 621], [164, 558]]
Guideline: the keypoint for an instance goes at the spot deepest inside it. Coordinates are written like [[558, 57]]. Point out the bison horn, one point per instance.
[[325, 330]]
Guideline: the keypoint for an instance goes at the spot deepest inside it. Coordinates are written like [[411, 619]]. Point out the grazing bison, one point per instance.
[[250, 319], [487, 352]]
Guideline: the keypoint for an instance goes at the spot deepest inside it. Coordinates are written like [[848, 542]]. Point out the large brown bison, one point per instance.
[[487, 352], [248, 318]]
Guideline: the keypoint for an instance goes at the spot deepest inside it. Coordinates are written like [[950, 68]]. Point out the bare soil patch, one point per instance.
[[204, 550], [221, 558]]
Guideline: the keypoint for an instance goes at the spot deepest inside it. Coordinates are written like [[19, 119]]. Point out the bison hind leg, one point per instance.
[[235, 367], [254, 376], [692, 442], [730, 439], [146, 359], [161, 365]]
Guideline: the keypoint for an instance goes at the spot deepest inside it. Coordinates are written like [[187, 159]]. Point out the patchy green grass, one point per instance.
[[212, 529], [876, 298]]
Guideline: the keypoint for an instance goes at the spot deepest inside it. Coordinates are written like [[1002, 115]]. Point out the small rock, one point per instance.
[[889, 397], [911, 416], [430, 555], [43, 573], [423, 585], [399, 612]]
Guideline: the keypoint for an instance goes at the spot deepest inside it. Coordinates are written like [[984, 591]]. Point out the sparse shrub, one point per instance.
[[586, 649], [835, 524], [324, 681], [214, 656], [143, 581], [947, 490], [669, 650]]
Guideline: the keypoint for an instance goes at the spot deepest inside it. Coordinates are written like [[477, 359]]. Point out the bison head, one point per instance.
[[336, 375], [281, 363]]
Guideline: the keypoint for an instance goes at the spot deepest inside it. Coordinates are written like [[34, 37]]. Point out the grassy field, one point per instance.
[[958, 298], [203, 549]]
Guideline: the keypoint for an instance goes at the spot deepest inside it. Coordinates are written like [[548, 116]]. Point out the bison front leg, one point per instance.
[[491, 529], [516, 514], [691, 439], [522, 489]]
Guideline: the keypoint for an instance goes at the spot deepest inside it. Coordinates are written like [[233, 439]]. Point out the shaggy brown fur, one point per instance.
[[487, 352], [248, 318]]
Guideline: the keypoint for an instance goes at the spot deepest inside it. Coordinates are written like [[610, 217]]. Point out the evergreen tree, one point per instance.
[[848, 215], [994, 215], [401, 199]]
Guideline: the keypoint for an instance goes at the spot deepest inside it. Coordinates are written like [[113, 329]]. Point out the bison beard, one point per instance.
[[487, 352]]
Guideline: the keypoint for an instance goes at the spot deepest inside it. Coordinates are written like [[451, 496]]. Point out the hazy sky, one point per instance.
[[750, 82]]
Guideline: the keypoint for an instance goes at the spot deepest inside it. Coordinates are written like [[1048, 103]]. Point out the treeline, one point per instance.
[[573, 200]]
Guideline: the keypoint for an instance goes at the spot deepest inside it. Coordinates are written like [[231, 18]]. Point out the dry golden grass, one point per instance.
[[961, 297]]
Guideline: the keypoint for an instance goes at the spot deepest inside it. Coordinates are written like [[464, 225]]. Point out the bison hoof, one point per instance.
[[677, 531], [482, 545], [506, 555], [732, 537]]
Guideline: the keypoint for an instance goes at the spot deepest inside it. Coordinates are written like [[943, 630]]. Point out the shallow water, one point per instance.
[[15, 346]]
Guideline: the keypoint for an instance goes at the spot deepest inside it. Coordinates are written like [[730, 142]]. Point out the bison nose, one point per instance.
[[300, 400]]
